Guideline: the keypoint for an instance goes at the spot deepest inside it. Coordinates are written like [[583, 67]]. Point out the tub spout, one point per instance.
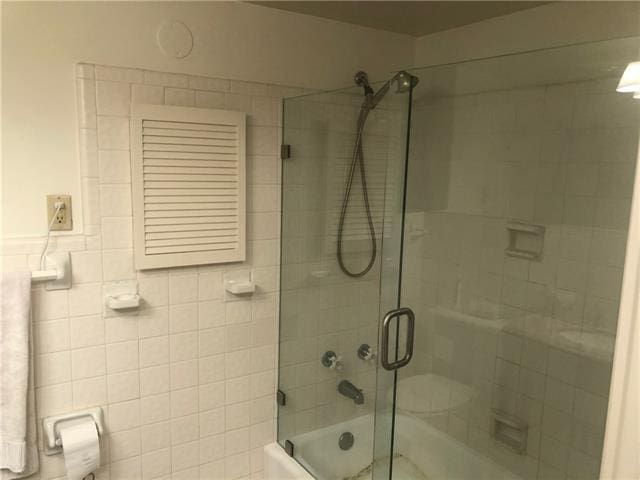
[[349, 390]]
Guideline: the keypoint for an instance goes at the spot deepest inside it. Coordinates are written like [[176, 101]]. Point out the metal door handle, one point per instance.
[[384, 347]]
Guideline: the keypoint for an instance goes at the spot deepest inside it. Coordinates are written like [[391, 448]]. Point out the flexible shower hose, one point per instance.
[[358, 159]]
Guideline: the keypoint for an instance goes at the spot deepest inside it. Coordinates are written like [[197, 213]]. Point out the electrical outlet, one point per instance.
[[63, 220]]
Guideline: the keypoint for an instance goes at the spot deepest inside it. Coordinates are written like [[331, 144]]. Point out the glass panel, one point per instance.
[[321, 308], [390, 294], [520, 182]]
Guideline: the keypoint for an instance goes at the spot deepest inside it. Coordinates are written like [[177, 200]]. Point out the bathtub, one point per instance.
[[422, 452]]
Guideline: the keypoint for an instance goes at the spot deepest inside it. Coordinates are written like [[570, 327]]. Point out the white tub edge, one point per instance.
[[280, 466]]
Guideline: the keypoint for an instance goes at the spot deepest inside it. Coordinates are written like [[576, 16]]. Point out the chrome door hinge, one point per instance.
[[285, 151], [289, 447]]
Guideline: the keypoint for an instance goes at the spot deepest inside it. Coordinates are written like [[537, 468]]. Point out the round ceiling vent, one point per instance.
[[175, 39]]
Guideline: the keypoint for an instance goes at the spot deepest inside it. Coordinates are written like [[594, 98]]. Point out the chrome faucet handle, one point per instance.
[[366, 353], [331, 360]]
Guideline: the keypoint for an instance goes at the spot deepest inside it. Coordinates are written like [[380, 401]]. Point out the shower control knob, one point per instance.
[[331, 360], [366, 353]]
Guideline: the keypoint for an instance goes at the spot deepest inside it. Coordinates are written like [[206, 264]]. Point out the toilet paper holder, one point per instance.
[[51, 427]]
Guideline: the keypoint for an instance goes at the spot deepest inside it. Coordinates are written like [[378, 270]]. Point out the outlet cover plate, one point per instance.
[[64, 220]]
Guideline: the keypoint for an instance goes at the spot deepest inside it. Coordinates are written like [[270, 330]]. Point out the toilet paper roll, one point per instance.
[[81, 448]]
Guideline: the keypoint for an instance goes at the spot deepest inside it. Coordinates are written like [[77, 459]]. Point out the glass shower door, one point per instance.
[[329, 394], [519, 191]]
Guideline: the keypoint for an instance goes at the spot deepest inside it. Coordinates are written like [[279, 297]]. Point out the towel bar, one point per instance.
[[58, 273]]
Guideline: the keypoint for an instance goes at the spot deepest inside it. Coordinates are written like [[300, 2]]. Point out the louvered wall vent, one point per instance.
[[188, 174]]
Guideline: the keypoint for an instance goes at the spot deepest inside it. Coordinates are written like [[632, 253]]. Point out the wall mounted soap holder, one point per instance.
[[124, 302], [122, 296], [237, 287], [239, 282]]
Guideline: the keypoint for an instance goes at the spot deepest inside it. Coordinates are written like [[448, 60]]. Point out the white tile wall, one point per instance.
[[187, 383]]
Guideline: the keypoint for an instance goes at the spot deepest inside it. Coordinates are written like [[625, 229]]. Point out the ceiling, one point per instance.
[[601, 61], [415, 18]]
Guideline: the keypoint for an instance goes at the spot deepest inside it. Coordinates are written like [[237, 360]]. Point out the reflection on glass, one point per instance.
[[520, 189]]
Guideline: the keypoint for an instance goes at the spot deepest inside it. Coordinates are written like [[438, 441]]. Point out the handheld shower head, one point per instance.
[[405, 82], [362, 80]]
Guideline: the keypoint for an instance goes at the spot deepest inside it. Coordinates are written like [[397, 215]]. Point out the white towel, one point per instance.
[[18, 450]]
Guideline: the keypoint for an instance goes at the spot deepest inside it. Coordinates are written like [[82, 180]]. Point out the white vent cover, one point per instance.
[[189, 184]]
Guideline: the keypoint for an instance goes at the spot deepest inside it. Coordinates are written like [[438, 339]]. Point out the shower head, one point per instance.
[[362, 80], [406, 81]]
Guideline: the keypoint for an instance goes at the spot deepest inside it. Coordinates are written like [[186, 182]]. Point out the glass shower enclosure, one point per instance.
[[480, 343], [327, 316]]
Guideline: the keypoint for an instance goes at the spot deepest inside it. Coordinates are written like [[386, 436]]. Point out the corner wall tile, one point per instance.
[[85, 70], [165, 79], [88, 138], [208, 83], [114, 166], [180, 97], [118, 74], [147, 94], [86, 103], [113, 133], [210, 99], [113, 98]]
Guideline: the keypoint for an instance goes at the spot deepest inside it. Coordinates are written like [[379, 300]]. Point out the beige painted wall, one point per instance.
[[41, 43]]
